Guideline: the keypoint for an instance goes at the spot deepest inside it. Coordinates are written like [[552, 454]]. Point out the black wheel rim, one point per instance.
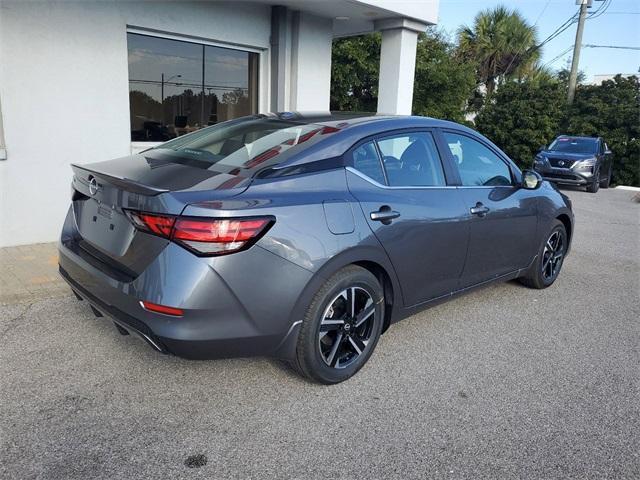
[[346, 327], [553, 255]]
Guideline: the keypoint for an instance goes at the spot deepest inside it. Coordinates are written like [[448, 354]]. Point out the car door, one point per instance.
[[402, 187], [502, 216], [605, 159]]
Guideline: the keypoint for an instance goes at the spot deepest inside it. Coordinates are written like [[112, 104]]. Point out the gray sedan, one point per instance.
[[304, 237]]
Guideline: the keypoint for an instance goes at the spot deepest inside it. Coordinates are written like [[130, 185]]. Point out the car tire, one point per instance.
[[548, 263], [606, 182], [341, 327], [595, 184]]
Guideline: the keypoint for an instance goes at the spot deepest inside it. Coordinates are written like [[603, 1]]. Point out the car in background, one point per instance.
[[304, 237], [571, 160]]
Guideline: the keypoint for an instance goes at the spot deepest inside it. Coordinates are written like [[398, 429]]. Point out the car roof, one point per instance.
[[352, 127], [344, 120]]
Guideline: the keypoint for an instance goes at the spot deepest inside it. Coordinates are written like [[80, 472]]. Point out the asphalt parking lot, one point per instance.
[[505, 382]]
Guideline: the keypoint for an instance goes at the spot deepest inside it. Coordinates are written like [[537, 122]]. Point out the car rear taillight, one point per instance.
[[218, 236], [204, 236]]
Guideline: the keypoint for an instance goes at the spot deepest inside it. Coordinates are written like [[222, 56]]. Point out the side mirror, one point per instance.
[[543, 147], [608, 152], [531, 180]]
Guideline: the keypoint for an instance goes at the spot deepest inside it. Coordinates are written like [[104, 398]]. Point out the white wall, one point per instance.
[[64, 92], [64, 83], [311, 63]]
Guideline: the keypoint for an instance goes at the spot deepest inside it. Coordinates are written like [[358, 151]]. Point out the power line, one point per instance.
[[523, 43], [571, 20], [622, 47], [587, 45], [601, 10], [558, 57]]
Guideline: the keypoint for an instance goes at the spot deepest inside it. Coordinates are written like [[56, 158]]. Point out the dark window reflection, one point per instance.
[[178, 87]]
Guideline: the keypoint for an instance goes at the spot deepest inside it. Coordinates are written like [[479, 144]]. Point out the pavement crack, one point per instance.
[[14, 322]]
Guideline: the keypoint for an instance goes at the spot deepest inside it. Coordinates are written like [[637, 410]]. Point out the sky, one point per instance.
[[618, 25]]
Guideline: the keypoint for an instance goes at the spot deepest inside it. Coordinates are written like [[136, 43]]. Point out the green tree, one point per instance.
[[612, 111], [355, 63], [502, 44], [522, 116], [443, 82]]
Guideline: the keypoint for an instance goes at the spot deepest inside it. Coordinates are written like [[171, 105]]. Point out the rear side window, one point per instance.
[[477, 164], [366, 161], [412, 159]]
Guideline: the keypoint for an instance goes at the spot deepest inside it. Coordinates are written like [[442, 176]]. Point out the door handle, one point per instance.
[[384, 215], [479, 210]]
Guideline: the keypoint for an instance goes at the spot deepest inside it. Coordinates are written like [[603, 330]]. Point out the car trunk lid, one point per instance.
[[104, 191]]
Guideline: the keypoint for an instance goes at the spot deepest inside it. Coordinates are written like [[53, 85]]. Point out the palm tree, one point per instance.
[[502, 44]]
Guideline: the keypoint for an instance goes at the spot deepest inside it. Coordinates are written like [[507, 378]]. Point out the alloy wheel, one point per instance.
[[552, 255], [346, 327]]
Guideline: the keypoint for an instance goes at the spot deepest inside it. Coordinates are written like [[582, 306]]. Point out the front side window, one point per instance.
[[177, 87], [412, 159], [477, 164]]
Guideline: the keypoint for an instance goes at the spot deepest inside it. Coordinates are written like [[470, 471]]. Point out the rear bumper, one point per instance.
[[236, 305], [128, 322]]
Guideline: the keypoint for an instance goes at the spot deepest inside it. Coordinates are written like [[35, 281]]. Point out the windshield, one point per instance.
[[248, 143], [574, 145]]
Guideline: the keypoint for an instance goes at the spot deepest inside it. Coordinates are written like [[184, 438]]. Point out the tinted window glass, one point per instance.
[[247, 143], [178, 87], [411, 160], [574, 145], [477, 164], [367, 161]]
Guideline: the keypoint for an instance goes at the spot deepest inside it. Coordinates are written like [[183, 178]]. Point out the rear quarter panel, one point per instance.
[[312, 229]]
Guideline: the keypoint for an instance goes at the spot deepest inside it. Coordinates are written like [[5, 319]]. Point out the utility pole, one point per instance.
[[573, 76]]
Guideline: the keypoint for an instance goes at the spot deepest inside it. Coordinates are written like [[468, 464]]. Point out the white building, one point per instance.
[[85, 81], [603, 77]]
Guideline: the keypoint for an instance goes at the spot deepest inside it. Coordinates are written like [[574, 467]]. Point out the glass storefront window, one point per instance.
[[177, 87]]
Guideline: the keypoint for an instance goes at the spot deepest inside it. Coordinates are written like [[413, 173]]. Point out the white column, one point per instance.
[[397, 65], [300, 61], [280, 58], [310, 62]]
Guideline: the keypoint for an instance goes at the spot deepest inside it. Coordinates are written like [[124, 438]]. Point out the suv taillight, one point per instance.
[[204, 236]]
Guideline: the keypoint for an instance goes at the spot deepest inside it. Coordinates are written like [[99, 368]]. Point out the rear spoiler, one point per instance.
[[122, 183]]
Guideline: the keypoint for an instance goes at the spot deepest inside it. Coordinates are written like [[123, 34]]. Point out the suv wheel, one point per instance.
[[546, 268], [341, 327]]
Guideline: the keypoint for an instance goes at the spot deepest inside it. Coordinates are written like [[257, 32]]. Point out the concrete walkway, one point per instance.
[[29, 273]]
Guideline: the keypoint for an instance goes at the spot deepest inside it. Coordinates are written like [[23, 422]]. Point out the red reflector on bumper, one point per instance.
[[154, 307]]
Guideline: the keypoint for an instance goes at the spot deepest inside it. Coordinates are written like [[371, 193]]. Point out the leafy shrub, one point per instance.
[[612, 111], [524, 116]]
